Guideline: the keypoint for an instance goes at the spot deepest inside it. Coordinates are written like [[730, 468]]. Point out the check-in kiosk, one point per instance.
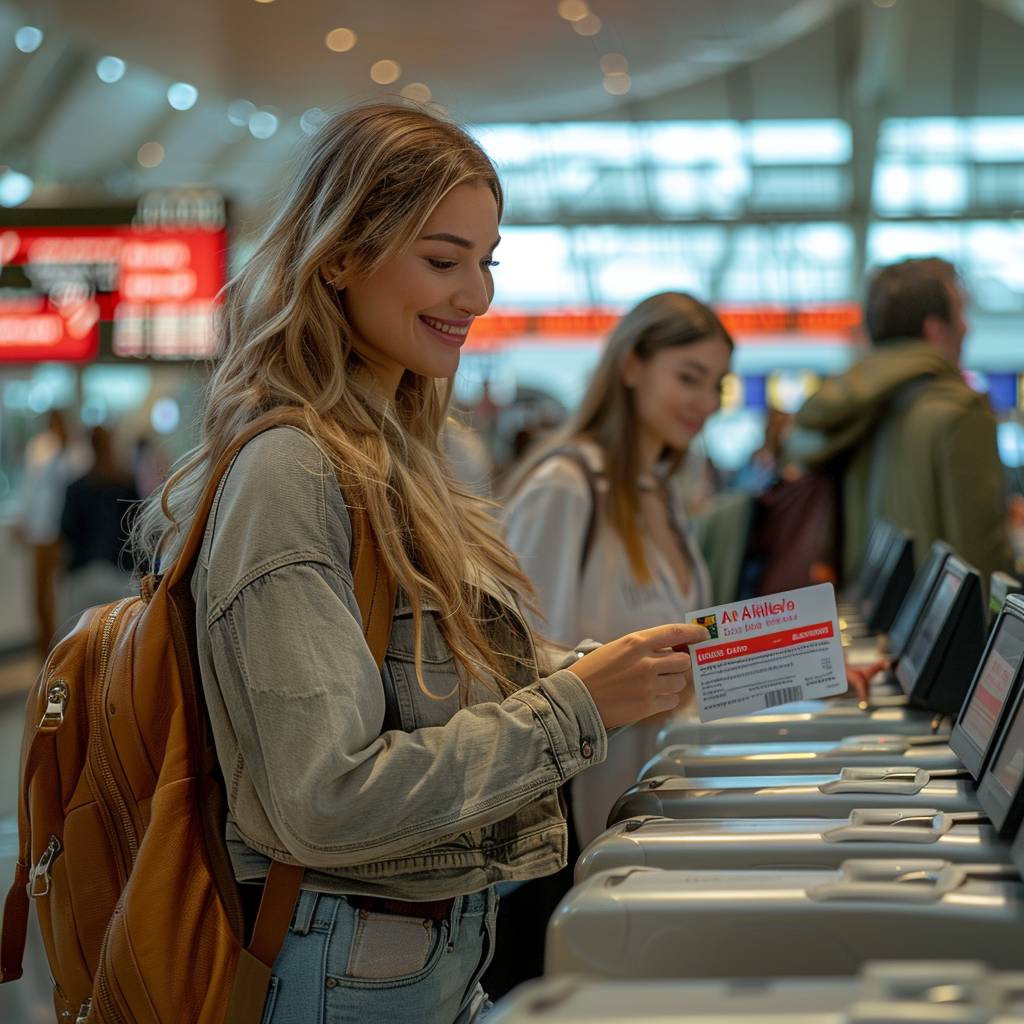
[[880, 537], [881, 598], [754, 843], [651, 923], [917, 596], [943, 652], [993, 692], [911, 992], [1001, 789], [873, 750], [832, 720]]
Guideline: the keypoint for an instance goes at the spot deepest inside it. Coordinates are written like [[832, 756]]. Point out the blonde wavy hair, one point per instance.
[[366, 185], [607, 414]]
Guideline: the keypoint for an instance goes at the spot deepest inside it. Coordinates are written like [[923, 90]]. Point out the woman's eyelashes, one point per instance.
[[445, 264]]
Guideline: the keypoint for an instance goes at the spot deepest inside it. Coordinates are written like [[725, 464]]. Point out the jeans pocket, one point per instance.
[[268, 1006], [393, 948]]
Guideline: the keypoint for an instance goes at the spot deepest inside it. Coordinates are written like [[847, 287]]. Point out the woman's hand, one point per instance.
[[640, 674], [859, 677]]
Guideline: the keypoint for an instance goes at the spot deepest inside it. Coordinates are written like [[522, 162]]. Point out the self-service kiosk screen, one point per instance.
[[1005, 653], [882, 572], [928, 629], [879, 541], [916, 598], [1008, 767]]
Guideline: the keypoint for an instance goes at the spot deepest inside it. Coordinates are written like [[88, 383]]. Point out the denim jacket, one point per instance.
[[355, 772]]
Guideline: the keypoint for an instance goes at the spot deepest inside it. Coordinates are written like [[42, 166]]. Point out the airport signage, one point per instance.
[[158, 288], [835, 322]]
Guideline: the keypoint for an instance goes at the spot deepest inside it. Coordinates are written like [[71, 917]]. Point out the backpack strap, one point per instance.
[[576, 456]]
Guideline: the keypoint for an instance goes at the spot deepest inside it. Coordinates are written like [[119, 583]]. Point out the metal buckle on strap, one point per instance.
[[42, 870], [83, 1012]]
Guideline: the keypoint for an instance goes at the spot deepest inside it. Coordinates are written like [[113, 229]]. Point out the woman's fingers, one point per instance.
[[674, 682], [664, 662], [675, 634]]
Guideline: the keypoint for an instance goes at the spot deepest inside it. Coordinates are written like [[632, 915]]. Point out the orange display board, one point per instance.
[[745, 323]]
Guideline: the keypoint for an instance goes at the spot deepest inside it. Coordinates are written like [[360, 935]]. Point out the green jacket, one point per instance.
[[940, 471]]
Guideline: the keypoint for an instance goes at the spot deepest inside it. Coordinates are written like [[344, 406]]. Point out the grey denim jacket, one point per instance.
[[353, 772]]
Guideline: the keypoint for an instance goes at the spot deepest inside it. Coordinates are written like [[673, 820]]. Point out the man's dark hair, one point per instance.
[[900, 296]]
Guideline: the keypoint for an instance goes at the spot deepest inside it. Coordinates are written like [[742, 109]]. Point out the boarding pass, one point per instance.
[[768, 651]]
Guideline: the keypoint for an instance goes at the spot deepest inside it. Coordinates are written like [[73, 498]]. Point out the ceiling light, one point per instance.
[[239, 112], [28, 38], [110, 69], [573, 10], [384, 72], [617, 85], [262, 124], [264, 1], [418, 92], [588, 26], [312, 120], [151, 154], [15, 188], [182, 96], [341, 40], [614, 64]]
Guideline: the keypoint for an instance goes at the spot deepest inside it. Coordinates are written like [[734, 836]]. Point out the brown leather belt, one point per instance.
[[431, 910]]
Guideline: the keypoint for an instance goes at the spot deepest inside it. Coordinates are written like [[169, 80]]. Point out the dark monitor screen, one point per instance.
[[878, 543], [883, 568], [994, 681], [914, 603], [932, 620]]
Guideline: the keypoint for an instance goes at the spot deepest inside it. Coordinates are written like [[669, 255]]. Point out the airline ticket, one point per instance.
[[768, 651]]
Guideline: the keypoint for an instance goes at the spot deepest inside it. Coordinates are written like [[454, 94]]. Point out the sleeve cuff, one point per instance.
[[571, 720]]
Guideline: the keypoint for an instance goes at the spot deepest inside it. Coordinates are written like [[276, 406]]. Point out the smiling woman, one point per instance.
[[415, 311], [403, 788]]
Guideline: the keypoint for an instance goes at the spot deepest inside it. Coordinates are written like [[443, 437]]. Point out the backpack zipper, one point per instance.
[[42, 870], [57, 695], [127, 825]]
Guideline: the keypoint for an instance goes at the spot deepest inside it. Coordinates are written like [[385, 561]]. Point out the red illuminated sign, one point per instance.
[[34, 329], [746, 323], [158, 286]]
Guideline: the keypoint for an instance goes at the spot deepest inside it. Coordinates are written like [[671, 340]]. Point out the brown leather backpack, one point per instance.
[[122, 806]]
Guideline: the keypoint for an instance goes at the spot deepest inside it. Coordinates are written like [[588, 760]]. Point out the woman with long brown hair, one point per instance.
[[408, 791], [594, 519]]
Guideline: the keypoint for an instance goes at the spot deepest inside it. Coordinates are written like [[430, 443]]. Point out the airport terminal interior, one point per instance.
[[826, 828]]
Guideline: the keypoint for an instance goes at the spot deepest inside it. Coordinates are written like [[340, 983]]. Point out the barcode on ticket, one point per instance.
[[773, 698]]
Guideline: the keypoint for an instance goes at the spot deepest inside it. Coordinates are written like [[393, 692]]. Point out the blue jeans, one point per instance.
[[340, 965]]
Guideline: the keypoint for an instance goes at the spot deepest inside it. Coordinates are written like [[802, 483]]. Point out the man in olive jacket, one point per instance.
[[937, 464]]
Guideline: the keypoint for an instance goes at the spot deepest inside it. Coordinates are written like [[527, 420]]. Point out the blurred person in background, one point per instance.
[[595, 526], [95, 525], [52, 459], [768, 463], [934, 469], [150, 465]]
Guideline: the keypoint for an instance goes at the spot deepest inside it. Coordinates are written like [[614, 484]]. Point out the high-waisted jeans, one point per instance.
[[340, 965]]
